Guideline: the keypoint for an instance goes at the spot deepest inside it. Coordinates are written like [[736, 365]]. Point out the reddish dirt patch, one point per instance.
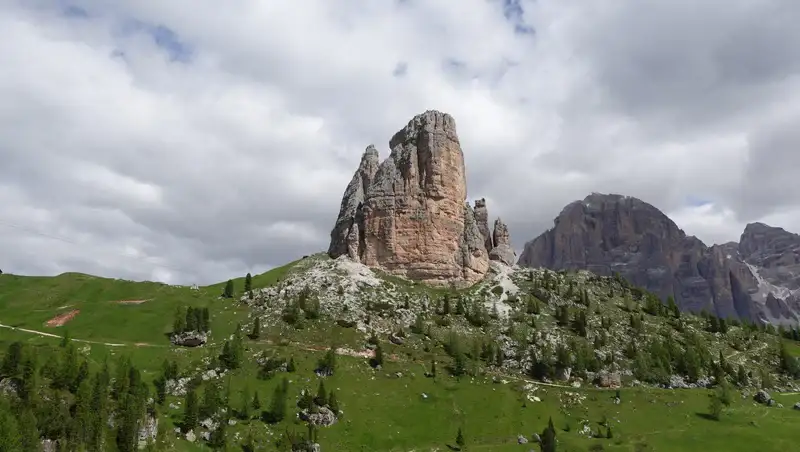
[[130, 301], [61, 319]]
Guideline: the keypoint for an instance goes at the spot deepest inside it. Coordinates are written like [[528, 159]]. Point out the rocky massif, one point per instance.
[[757, 278], [408, 214]]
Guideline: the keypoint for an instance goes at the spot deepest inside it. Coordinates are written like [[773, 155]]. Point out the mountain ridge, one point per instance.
[[756, 278]]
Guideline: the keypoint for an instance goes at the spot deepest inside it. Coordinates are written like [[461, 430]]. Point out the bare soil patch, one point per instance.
[[130, 301], [61, 319]]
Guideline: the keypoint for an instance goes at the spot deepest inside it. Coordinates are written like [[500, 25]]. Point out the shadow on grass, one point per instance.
[[707, 417]]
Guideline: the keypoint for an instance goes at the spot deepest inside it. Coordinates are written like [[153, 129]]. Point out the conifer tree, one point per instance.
[[248, 282], [12, 361], [10, 438], [291, 367], [227, 292], [322, 396], [460, 439], [191, 411], [218, 439], [256, 333], [333, 403], [212, 401], [179, 324], [715, 406], [256, 402], [548, 437], [28, 431], [244, 410], [277, 411]]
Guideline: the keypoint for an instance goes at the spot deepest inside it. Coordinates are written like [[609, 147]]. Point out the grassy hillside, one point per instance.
[[30, 302], [396, 407]]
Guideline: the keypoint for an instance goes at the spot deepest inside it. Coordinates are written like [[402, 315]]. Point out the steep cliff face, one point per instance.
[[755, 279], [408, 215]]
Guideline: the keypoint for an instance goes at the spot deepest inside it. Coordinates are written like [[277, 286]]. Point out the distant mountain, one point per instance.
[[757, 278]]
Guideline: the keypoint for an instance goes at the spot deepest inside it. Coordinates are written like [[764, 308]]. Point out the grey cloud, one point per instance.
[[235, 159]]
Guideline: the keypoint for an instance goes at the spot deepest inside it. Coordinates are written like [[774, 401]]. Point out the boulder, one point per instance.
[[322, 416], [189, 338], [762, 396], [606, 379]]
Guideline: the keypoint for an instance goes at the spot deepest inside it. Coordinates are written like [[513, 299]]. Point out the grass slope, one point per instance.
[[29, 302], [395, 408]]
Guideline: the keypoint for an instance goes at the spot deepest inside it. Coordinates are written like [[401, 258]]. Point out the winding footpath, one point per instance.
[[85, 341]]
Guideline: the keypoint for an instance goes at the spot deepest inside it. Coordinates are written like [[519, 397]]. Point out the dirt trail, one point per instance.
[[85, 341]]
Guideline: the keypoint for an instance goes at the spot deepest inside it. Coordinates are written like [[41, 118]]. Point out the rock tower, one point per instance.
[[408, 214]]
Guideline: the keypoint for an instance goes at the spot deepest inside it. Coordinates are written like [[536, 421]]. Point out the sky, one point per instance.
[[185, 142]]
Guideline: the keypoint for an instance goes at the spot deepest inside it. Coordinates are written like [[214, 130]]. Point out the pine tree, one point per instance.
[[419, 324], [277, 411], [10, 438], [218, 437], [206, 320], [29, 433], [191, 411], [741, 376], [327, 364], [211, 401], [290, 367], [228, 291], [99, 407], [244, 410], [248, 283], [378, 359], [609, 435], [715, 406], [333, 403], [322, 395], [563, 316], [460, 439], [179, 324], [12, 361], [459, 364], [65, 339], [256, 333], [548, 437], [256, 403], [433, 368]]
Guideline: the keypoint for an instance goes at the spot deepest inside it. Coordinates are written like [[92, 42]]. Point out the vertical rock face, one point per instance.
[[408, 215], [757, 279], [346, 234], [502, 250], [482, 217]]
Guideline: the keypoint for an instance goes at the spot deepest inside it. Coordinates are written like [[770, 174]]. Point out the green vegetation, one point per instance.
[[465, 369]]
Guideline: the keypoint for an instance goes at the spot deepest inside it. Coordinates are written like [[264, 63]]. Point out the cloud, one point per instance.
[[143, 142]]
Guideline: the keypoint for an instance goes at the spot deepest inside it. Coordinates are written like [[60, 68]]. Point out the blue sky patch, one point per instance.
[[164, 37], [514, 13], [696, 201]]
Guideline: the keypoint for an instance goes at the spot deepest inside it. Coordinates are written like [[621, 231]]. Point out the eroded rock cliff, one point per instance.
[[757, 278], [408, 215]]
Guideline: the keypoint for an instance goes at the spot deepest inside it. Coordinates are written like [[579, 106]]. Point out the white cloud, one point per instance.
[[216, 141]]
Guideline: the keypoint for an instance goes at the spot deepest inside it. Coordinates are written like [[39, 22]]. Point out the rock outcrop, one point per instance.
[[502, 250], [407, 215], [757, 278], [482, 218], [189, 338]]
